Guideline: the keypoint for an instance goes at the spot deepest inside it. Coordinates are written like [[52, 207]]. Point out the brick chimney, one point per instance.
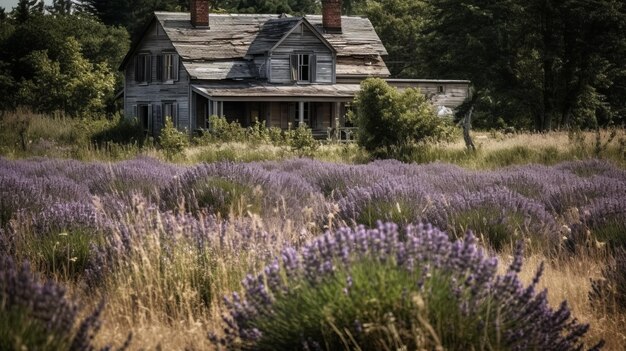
[[331, 16], [199, 13]]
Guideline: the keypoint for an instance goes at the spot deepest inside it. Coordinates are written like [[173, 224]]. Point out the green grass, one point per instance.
[[19, 330], [115, 139]]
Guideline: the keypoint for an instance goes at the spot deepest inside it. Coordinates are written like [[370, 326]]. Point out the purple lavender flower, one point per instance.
[[40, 315], [460, 272]]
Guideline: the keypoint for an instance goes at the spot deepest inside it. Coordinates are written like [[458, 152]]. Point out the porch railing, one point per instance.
[[341, 134]]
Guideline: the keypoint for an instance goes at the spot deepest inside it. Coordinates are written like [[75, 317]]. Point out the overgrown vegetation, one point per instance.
[[172, 141], [192, 234], [25, 134], [391, 123]]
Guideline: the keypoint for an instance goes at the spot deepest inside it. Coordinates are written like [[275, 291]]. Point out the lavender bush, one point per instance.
[[609, 291], [37, 315], [369, 289], [402, 200], [498, 214], [220, 186]]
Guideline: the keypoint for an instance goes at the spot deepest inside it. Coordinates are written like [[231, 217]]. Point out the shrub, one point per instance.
[[371, 290], [401, 200], [257, 132], [221, 130], [121, 131], [301, 141], [605, 218], [224, 185], [276, 136], [59, 240], [390, 122], [39, 316], [498, 215], [172, 140]]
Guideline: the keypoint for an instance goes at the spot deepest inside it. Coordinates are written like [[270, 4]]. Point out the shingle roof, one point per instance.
[[219, 52], [235, 35]]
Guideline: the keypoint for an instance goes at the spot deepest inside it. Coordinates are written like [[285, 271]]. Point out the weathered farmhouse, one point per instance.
[[274, 68]]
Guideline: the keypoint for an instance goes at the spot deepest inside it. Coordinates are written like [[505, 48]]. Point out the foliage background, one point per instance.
[[533, 64]]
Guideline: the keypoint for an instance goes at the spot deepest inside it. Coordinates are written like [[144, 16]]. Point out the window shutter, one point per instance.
[[175, 67], [159, 68], [294, 68], [175, 114], [313, 69], [136, 63], [148, 64], [150, 121], [158, 122]]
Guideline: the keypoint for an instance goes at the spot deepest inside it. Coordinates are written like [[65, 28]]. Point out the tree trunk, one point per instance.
[[467, 125]]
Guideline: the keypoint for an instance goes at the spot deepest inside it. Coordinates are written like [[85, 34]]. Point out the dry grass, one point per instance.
[[560, 140], [140, 300], [569, 279]]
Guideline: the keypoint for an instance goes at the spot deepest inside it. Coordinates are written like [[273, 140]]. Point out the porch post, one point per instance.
[[336, 123], [214, 111], [193, 115], [300, 113]]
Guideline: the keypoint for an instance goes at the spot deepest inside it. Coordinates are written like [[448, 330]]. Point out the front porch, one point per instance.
[[325, 113]]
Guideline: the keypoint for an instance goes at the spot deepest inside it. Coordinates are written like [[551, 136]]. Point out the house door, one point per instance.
[[143, 115]]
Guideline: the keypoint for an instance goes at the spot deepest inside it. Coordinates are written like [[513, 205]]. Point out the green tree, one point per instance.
[[390, 121], [130, 14], [399, 23], [25, 9], [548, 62], [99, 44], [61, 7], [71, 84]]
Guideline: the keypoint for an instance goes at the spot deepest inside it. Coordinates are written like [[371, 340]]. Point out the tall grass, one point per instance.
[[111, 140]]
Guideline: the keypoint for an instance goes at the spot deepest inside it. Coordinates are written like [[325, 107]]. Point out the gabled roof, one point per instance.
[[273, 30], [303, 21], [225, 48], [232, 35]]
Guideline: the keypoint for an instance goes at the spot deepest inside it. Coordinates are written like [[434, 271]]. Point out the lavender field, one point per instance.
[[296, 244]]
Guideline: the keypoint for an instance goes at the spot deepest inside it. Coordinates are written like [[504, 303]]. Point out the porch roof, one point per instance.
[[264, 91]]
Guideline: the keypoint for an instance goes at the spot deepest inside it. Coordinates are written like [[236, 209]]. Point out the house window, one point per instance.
[[170, 67], [441, 89], [142, 68], [302, 67], [169, 110], [167, 64]]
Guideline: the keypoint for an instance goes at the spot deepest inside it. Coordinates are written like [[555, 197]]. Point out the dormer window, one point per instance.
[[303, 67]]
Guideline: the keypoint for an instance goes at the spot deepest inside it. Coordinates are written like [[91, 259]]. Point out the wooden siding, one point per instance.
[[324, 69], [301, 40], [155, 92], [454, 92], [260, 63]]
